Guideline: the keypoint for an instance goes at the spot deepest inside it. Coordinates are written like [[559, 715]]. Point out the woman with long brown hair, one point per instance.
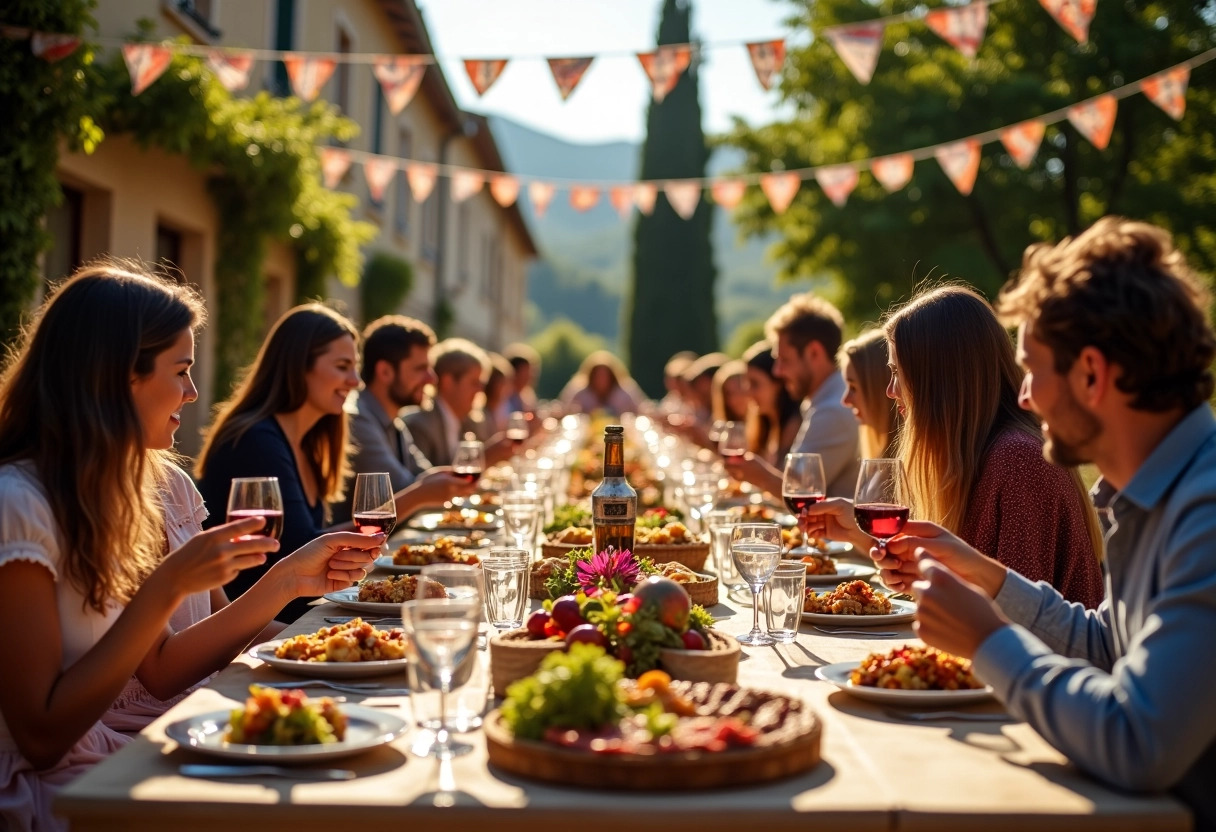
[[867, 374], [973, 457], [602, 384], [774, 416]]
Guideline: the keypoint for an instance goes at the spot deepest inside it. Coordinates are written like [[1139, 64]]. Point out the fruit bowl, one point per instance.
[[514, 655]]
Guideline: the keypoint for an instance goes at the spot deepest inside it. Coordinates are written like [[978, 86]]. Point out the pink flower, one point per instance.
[[608, 570]]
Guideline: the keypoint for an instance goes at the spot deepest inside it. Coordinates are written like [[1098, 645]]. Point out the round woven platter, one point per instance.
[[692, 555]]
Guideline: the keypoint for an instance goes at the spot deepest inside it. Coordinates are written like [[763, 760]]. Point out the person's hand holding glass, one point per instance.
[[732, 440], [880, 503], [756, 550], [802, 486]]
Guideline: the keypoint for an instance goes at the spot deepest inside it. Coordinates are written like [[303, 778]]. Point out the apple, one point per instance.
[[536, 624], [693, 640], [668, 598], [566, 613], [586, 634]]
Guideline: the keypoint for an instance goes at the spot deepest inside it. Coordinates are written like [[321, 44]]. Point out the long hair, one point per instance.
[[867, 355], [275, 383], [960, 386], [729, 370], [66, 408], [764, 432]]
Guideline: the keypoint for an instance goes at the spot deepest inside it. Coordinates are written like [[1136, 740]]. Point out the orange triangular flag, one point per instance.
[[728, 192], [145, 63], [892, 172], [837, 182], [584, 197], [780, 188], [767, 59], [465, 183], [52, 47], [663, 67], [683, 196], [1073, 15], [962, 27], [334, 163], [1168, 90], [567, 72], [308, 75], [231, 69], [399, 77], [961, 162], [644, 195], [1023, 140], [540, 194], [1095, 119], [422, 179], [504, 188], [858, 45], [621, 198], [483, 73], [378, 173]]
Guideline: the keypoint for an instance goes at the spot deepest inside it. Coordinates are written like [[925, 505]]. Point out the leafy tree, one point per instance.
[[924, 92], [387, 280], [743, 336], [671, 305], [562, 345]]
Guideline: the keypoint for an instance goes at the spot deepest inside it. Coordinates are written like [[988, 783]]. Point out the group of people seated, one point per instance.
[[130, 588]]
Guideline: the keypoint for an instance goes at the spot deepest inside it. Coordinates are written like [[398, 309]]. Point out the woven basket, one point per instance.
[[720, 663], [560, 550], [703, 591], [692, 555], [513, 656]]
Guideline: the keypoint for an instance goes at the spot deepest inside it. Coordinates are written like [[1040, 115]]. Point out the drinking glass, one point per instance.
[[783, 597], [732, 441], [372, 507], [521, 517], [506, 573], [880, 505], [517, 427], [257, 497], [802, 485], [469, 463], [442, 633], [459, 580], [756, 550]]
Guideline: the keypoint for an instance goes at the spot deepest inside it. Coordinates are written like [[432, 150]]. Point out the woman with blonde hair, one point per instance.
[[728, 395], [602, 384], [973, 457], [864, 365]]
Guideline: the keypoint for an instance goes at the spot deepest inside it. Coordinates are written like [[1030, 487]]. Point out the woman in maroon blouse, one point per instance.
[[973, 456]]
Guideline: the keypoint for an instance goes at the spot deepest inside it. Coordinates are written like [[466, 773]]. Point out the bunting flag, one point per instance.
[[663, 68], [961, 162], [540, 194], [683, 196], [1168, 91], [308, 75], [505, 189], [858, 45], [567, 72], [1023, 140], [780, 188], [335, 162], [378, 172], [644, 196], [1095, 119], [465, 183], [962, 26], [1072, 15], [767, 59], [52, 47], [421, 177], [145, 63], [893, 172], [483, 73], [584, 197], [231, 69], [837, 182], [399, 77], [621, 198], [728, 192]]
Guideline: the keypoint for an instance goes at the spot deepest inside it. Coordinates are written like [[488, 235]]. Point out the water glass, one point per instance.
[[521, 517], [441, 634], [506, 573], [756, 550], [783, 597]]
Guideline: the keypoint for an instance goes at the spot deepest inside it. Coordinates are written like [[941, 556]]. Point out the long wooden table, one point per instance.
[[878, 773]]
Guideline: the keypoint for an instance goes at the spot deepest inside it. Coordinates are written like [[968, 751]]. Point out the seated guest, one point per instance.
[[864, 362], [496, 410], [287, 420], [102, 575], [773, 417], [1114, 334], [729, 392], [525, 362], [699, 377], [973, 458], [677, 398], [602, 385]]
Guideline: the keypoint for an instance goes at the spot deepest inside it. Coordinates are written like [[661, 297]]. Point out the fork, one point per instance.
[[836, 631], [961, 716], [365, 689], [346, 619]]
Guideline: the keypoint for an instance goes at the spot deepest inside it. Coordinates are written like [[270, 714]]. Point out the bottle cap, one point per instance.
[[614, 430]]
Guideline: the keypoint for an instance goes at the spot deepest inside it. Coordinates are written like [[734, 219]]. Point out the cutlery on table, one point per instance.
[[194, 770], [352, 687], [961, 716], [840, 631], [346, 619]]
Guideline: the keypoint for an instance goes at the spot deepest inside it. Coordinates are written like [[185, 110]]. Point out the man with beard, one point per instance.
[[1114, 336]]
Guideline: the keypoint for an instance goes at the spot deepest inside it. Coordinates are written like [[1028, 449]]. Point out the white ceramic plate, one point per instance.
[[901, 611], [328, 670], [844, 572], [386, 563], [432, 521], [838, 675], [349, 598], [366, 729]]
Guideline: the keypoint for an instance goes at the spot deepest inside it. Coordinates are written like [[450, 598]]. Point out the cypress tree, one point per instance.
[[671, 306]]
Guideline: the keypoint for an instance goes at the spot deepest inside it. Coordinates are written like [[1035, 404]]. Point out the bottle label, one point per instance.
[[615, 510]]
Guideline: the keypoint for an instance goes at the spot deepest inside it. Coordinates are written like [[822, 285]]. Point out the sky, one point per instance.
[[610, 102]]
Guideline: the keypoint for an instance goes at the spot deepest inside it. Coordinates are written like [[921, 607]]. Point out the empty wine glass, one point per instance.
[[442, 633], [257, 497], [469, 462], [880, 505], [372, 506], [756, 551], [521, 517], [732, 440], [802, 485]]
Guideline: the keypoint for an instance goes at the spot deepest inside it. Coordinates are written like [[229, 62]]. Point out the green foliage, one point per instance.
[[744, 335], [671, 303], [880, 245], [44, 103], [445, 317], [575, 689], [562, 346], [387, 280]]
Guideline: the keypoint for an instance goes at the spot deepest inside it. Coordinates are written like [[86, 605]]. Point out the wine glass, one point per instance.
[[469, 462], [732, 440], [756, 551], [257, 497], [372, 507], [802, 485], [442, 634], [517, 427], [521, 516], [880, 505]]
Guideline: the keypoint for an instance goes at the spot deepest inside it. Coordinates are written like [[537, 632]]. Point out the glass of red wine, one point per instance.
[[880, 505], [802, 485], [732, 440], [469, 463], [373, 508], [257, 497], [517, 427]]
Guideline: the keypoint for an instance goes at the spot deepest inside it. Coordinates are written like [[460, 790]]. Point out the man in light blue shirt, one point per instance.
[[1114, 336]]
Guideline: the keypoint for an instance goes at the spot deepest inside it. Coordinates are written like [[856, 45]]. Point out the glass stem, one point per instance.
[[755, 611], [441, 734]]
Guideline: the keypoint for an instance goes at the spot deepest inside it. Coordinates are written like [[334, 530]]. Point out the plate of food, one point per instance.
[[344, 651], [379, 596], [908, 675], [411, 557], [856, 603], [302, 730], [824, 571], [460, 520]]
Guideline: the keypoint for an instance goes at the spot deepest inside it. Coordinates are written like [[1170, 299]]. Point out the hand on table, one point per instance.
[[330, 562], [952, 614], [899, 561]]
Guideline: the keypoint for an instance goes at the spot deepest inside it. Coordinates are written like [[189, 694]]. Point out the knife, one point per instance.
[[195, 770]]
